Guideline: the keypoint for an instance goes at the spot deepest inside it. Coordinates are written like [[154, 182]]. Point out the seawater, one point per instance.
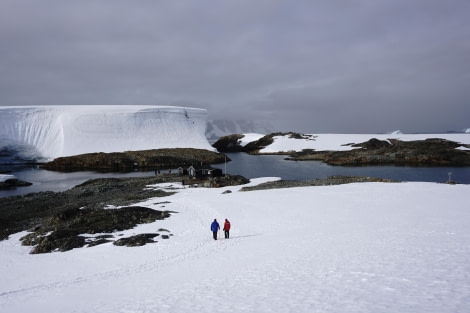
[[44, 180], [250, 166]]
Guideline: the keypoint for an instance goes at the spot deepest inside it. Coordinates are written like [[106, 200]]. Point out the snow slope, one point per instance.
[[56, 131], [370, 247], [341, 142]]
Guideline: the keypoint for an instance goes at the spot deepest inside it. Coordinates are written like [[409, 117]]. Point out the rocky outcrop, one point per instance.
[[132, 160], [73, 228], [13, 183], [332, 180], [231, 143], [36, 211], [429, 152], [91, 213], [137, 240]]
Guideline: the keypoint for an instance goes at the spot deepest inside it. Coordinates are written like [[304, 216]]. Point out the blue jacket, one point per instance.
[[215, 226]]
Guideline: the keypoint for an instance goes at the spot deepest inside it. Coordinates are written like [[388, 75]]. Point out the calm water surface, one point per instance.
[[251, 167], [275, 165]]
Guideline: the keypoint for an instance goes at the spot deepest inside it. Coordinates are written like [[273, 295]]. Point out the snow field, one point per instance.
[[369, 247]]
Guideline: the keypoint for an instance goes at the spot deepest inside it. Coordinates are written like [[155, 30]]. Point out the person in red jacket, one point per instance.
[[227, 228]]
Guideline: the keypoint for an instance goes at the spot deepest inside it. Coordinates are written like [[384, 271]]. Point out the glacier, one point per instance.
[[56, 131]]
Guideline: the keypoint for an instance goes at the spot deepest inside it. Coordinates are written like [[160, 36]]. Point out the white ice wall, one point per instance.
[[69, 130]]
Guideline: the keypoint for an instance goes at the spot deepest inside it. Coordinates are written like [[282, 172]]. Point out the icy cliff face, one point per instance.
[[55, 131]]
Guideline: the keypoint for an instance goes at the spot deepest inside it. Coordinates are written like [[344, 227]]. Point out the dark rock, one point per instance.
[[229, 143], [13, 183], [32, 210], [228, 180], [98, 242], [136, 241], [65, 226], [60, 240], [332, 180], [373, 143], [59, 221]]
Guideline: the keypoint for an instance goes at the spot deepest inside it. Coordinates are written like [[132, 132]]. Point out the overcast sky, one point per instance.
[[365, 66]]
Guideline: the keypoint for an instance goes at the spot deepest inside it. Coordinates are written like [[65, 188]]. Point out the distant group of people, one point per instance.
[[215, 227]]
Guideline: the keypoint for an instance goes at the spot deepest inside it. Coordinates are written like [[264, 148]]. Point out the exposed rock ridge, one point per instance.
[[429, 152], [231, 143], [91, 213], [131, 160], [332, 180]]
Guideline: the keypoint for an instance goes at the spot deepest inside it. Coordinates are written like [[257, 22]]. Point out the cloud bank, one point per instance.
[[308, 66]]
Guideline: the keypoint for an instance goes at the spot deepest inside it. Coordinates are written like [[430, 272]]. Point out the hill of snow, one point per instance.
[[55, 131], [369, 247]]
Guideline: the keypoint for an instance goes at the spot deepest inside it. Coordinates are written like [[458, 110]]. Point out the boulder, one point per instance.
[[136, 241]]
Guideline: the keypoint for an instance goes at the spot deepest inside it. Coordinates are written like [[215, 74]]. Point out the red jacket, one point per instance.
[[227, 225]]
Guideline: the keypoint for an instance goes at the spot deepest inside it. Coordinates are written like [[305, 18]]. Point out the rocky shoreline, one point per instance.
[[329, 181], [57, 221], [429, 152]]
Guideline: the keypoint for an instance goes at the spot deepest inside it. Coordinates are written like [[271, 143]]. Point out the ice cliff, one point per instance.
[[55, 131]]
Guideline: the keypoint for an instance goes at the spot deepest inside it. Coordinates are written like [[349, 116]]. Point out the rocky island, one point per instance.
[[10, 181], [135, 160], [428, 152]]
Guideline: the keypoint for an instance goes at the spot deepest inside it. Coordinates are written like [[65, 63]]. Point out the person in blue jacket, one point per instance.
[[215, 228]]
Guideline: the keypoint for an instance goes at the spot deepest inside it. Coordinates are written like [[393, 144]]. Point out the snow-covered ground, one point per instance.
[[341, 142], [370, 247]]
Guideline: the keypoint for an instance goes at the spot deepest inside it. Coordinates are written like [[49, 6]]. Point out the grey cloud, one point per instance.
[[336, 66]]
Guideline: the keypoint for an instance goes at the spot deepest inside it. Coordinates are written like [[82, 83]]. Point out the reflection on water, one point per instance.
[[57, 181], [274, 165], [251, 167]]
